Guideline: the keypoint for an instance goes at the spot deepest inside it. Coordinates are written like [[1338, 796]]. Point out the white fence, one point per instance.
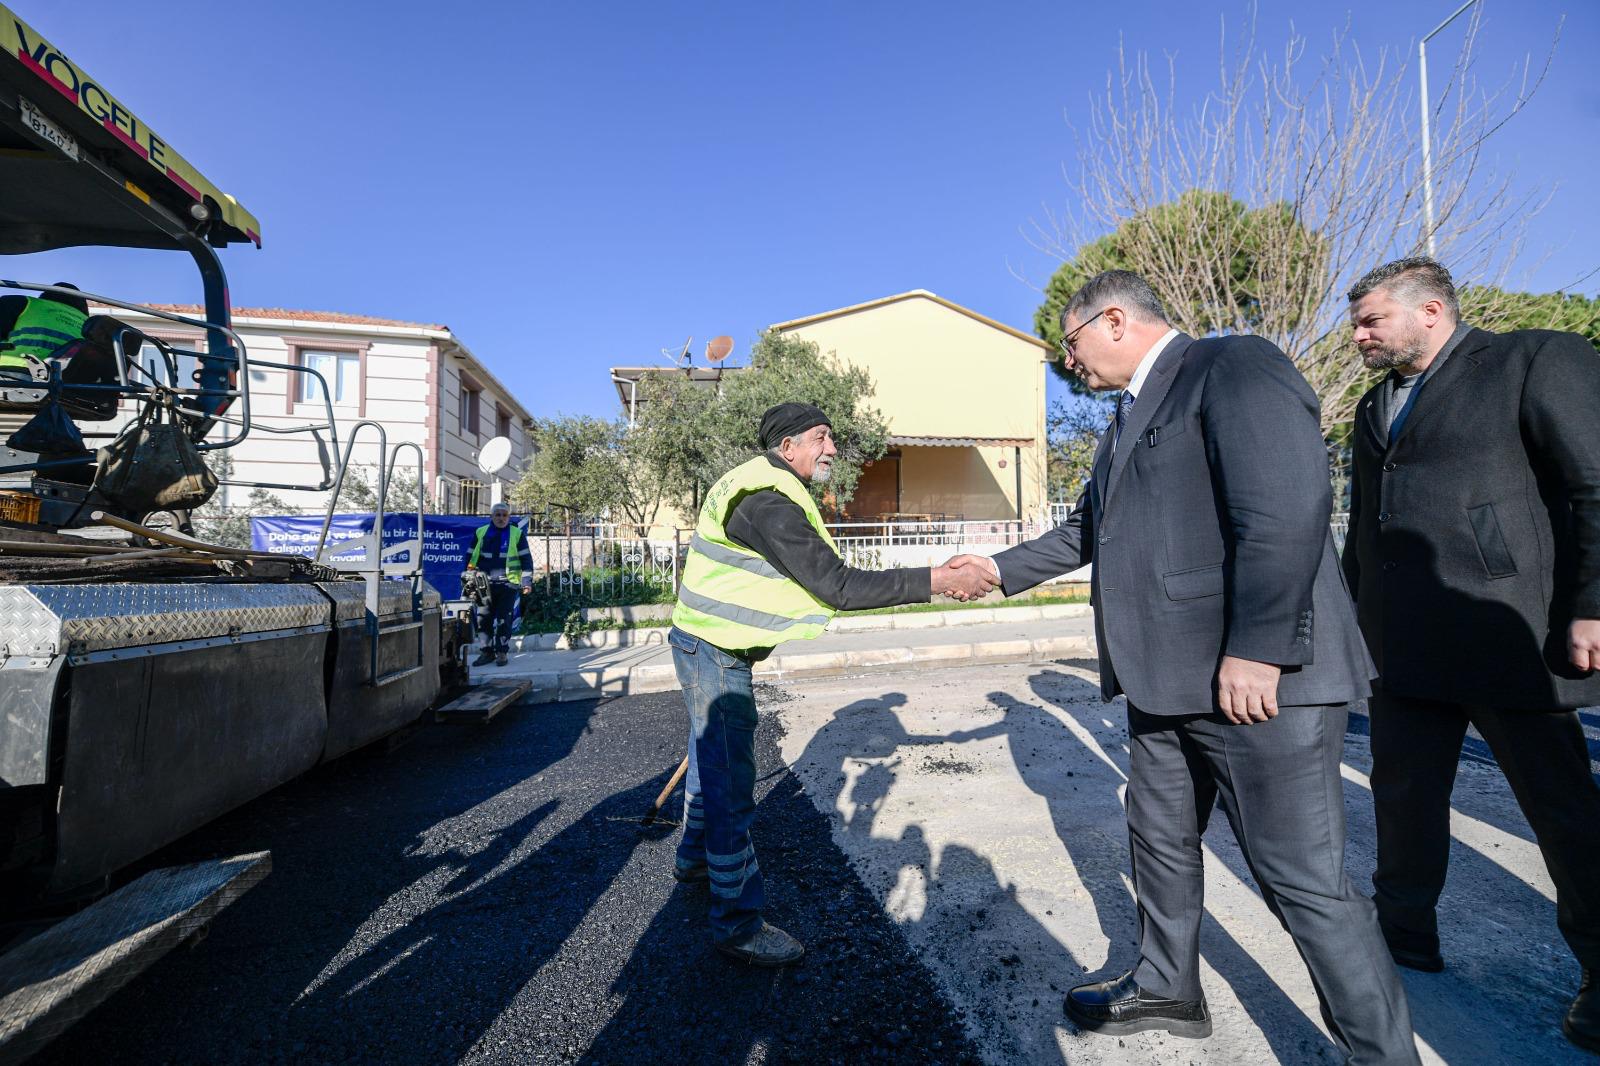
[[601, 563], [883, 545], [1340, 525]]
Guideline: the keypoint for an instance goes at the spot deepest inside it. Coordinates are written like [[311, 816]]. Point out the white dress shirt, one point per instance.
[[1149, 361]]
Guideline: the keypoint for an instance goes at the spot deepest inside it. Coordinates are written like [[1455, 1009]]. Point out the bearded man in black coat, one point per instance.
[[1474, 557]]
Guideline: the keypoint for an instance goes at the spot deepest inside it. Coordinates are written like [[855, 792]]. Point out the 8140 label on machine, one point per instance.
[[43, 128]]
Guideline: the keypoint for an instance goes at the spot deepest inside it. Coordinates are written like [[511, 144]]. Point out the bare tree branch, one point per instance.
[[1256, 208]]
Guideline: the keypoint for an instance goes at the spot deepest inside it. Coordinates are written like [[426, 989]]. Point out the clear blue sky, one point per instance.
[[575, 186]]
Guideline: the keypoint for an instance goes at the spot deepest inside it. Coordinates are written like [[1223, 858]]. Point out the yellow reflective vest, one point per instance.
[[730, 596], [513, 542], [43, 327]]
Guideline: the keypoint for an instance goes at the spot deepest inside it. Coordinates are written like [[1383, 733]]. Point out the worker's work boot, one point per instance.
[[485, 657], [768, 946], [694, 873], [500, 658]]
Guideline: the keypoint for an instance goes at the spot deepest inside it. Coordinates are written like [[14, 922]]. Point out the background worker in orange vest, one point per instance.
[[500, 550]]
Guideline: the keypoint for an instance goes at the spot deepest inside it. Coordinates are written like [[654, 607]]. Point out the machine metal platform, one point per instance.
[[52, 980], [483, 702]]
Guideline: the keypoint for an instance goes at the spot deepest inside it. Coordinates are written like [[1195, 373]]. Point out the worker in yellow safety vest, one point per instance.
[[38, 327], [762, 569], [500, 550]]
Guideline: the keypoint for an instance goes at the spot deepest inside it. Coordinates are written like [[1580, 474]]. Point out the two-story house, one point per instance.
[[419, 381]]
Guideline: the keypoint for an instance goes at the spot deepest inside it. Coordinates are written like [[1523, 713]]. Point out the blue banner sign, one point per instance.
[[446, 541]]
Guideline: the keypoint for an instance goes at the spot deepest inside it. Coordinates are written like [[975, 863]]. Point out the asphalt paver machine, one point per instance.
[[149, 681]]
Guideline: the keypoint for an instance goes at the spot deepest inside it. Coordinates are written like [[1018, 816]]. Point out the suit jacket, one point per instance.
[[1208, 531], [1475, 533]]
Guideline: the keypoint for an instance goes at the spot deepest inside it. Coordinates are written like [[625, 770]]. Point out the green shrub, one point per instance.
[[551, 606]]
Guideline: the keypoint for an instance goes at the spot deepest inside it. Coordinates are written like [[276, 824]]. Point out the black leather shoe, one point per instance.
[[485, 657], [1417, 960], [1582, 1023], [1118, 1007], [1408, 952]]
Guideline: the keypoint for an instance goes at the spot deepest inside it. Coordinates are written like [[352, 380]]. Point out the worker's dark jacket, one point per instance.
[[776, 528]]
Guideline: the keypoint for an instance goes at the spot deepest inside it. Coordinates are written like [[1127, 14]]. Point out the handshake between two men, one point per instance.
[[965, 577], [1247, 691]]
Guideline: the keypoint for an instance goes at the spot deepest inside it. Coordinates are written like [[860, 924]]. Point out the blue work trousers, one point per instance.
[[720, 790]]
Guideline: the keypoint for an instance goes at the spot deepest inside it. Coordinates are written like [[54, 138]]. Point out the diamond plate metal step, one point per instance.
[[52, 980]]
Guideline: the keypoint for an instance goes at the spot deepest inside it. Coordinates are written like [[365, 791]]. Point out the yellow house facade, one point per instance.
[[964, 399]]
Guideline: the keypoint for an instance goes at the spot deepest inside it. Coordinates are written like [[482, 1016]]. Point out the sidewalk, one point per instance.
[[857, 645], [984, 809]]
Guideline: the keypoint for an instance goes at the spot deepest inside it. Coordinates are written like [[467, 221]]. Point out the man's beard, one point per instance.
[[1395, 357], [821, 472]]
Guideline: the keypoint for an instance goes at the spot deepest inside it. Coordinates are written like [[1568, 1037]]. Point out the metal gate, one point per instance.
[[599, 563]]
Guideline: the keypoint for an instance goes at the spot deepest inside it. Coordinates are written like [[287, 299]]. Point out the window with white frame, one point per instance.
[[341, 370], [471, 409]]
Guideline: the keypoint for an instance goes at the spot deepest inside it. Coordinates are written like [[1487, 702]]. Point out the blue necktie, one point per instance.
[[1124, 408]]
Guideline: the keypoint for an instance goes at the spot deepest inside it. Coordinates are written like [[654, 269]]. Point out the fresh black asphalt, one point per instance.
[[487, 894]]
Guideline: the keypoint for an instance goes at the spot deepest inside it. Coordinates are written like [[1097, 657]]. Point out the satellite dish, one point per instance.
[[679, 359], [718, 349], [493, 456]]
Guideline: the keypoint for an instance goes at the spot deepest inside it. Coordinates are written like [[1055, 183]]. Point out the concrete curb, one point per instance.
[[561, 686], [646, 635]]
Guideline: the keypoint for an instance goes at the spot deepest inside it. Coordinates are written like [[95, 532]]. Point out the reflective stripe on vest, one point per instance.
[[730, 596], [748, 616], [42, 328], [513, 555], [728, 557]]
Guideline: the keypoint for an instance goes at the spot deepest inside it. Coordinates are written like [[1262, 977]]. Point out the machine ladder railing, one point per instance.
[[377, 564]]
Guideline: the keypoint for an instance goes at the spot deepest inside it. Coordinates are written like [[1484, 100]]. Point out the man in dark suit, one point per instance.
[[1474, 554], [1221, 613]]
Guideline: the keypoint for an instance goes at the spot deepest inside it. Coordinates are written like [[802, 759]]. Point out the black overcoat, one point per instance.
[[1475, 533]]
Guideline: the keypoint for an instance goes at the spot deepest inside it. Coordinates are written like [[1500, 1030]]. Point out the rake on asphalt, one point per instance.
[[651, 816]]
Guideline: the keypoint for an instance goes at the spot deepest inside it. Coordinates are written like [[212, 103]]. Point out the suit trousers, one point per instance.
[[1416, 745], [1279, 785]]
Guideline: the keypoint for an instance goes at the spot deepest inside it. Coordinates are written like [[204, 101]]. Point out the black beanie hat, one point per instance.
[[789, 420], [77, 303]]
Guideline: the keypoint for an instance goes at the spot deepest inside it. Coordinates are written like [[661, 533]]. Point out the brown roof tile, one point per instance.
[[284, 314]]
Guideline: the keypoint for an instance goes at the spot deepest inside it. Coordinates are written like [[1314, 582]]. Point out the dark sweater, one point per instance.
[[773, 526]]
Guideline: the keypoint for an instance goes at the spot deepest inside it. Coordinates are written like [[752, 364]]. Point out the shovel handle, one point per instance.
[[672, 783]]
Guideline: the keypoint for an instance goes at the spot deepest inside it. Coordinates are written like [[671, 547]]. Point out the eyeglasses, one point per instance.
[[1069, 343]]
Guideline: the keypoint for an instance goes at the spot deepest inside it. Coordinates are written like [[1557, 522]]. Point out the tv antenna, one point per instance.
[[679, 358], [718, 349]]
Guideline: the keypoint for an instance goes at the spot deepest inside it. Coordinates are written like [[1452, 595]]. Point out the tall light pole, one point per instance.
[[1427, 135]]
